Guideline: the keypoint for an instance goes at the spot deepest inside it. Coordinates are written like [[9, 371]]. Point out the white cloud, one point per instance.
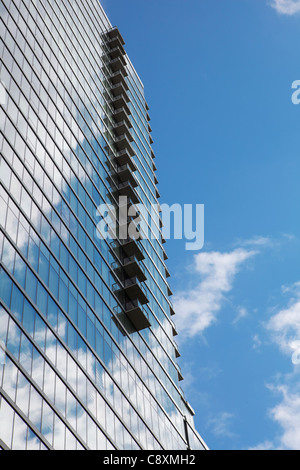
[[242, 313], [215, 273], [221, 424], [287, 415], [286, 7], [257, 241], [256, 342], [284, 327], [267, 445]]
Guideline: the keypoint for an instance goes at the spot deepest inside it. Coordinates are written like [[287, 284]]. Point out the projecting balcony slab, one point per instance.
[[118, 77], [121, 128], [118, 65], [137, 315], [126, 189], [117, 53], [116, 42], [124, 158], [115, 33], [122, 142], [125, 173], [133, 268], [135, 290], [120, 114], [119, 89], [120, 101], [133, 248]]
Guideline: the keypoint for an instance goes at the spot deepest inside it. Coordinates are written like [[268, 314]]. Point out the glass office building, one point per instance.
[[88, 358]]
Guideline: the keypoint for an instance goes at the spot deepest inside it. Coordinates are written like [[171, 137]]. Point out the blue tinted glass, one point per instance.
[[33, 254], [31, 284], [40, 332], [44, 268], [20, 270], [53, 282], [63, 295], [41, 299], [13, 338], [28, 317], [17, 301], [5, 287], [72, 338], [82, 320]]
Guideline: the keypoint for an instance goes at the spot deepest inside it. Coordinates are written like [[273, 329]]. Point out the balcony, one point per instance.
[[135, 290], [133, 268], [132, 247], [120, 101], [137, 315], [120, 114], [116, 42], [125, 204], [124, 223], [125, 173], [122, 142], [118, 77], [119, 89], [117, 65], [117, 52], [123, 158], [122, 323], [121, 128], [126, 189], [114, 33]]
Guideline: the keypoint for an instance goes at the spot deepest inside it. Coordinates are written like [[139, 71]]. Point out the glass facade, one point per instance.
[[88, 358]]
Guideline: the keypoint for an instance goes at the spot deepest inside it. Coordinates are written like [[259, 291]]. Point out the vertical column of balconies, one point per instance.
[[170, 293], [128, 252]]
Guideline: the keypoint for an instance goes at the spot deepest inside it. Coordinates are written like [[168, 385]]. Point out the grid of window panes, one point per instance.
[[73, 377]]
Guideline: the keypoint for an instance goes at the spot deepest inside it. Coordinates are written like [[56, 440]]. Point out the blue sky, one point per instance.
[[218, 77]]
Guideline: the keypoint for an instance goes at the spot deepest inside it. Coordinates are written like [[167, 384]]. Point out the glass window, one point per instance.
[[31, 285], [6, 422], [5, 287], [17, 301]]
